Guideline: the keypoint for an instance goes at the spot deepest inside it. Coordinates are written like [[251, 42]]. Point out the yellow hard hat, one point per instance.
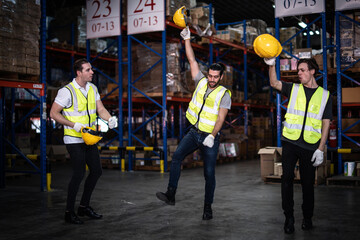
[[90, 136], [266, 46], [180, 17]]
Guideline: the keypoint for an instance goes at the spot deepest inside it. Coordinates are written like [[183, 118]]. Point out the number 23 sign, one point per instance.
[[103, 18], [145, 16]]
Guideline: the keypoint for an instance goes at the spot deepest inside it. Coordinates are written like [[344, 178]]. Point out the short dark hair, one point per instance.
[[78, 65], [218, 67], [311, 62]]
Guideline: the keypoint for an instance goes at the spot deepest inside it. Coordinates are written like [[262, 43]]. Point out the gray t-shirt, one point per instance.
[[226, 99]]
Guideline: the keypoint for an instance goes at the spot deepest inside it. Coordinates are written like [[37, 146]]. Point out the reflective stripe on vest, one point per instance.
[[294, 117], [209, 109], [82, 110]]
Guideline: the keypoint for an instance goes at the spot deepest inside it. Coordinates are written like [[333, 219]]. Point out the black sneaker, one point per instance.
[[306, 224], [289, 225], [207, 215]]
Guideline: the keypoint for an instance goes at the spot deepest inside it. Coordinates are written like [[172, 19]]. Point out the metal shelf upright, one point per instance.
[[161, 105]]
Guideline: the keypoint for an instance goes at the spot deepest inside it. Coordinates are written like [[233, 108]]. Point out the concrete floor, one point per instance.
[[244, 208]]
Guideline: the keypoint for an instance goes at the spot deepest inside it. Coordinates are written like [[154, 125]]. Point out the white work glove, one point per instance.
[[78, 126], [270, 61], [185, 33], [209, 141], [113, 122], [318, 157]]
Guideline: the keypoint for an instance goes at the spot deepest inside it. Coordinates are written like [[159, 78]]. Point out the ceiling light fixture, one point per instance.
[[317, 32], [302, 24]]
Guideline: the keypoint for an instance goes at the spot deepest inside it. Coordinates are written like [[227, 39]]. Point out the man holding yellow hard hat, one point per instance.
[[305, 129], [75, 107], [206, 113]]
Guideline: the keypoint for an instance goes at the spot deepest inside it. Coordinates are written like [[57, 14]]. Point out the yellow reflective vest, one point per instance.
[[82, 110], [295, 114], [205, 111]]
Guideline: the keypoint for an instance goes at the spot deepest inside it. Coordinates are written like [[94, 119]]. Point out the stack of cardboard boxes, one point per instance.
[[19, 32]]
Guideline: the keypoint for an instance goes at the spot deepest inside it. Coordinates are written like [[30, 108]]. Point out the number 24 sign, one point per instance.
[[103, 18], [145, 16]]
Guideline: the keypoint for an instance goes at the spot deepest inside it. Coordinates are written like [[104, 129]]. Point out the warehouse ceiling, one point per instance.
[[228, 11]]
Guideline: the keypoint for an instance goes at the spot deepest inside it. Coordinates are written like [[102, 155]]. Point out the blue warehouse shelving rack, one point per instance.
[[5, 134], [343, 73]]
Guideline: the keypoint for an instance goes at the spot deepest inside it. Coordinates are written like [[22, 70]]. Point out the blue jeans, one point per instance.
[[191, 142]]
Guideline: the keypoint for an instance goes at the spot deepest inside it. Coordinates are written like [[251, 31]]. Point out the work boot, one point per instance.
[[306, 224], [71, 217], [88, 211], [289, 225], [207, 215], [168, 197]]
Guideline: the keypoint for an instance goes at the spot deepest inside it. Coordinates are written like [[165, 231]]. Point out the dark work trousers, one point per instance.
[[192, 141], [290, 154], [80, 155]]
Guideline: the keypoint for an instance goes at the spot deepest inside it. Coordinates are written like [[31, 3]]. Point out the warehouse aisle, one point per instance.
[[244, 208]]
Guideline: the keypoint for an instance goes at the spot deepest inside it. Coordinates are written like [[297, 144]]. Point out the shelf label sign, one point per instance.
[[145, 16], [102, 18], [285, 8], [347, 4]]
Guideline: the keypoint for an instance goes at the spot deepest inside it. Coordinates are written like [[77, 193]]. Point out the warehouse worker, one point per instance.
[[75, 107], [206, 112], [304, 134]]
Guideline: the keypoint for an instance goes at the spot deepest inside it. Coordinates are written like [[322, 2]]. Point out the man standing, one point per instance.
[[304, 135], [206, 112], [75, 106]]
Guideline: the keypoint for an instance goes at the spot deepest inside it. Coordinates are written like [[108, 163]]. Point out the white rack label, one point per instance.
[[346, 4], [102, 18], [284, 8], [145, 16]]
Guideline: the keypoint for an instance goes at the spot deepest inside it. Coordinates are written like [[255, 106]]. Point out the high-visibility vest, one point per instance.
[[205, 111], [82, 110], [294, 117]]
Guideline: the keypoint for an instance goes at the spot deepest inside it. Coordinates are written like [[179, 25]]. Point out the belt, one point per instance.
[[198, 131]]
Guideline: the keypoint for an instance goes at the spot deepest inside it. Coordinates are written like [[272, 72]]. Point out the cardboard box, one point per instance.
[[284, 64], [350, 95], [268, 156], [303, 52], [232, 149]]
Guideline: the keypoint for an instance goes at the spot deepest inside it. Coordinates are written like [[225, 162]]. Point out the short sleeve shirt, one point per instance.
[[64, 99], [286, 91]]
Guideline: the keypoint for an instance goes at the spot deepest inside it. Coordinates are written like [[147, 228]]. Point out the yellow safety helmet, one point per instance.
[[266, 46], [90, 136], [180, 17]]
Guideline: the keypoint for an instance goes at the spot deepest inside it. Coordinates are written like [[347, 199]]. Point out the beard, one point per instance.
[[213, 84]]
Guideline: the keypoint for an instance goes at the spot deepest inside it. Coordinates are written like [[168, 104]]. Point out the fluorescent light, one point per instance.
[[304, 33], [302, 24], [317, 32], [273, 5], [311, 33]]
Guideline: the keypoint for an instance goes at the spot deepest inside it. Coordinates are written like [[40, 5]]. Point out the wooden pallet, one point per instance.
[[343, 181], [277, 179], [18, 77], [16, 175]]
